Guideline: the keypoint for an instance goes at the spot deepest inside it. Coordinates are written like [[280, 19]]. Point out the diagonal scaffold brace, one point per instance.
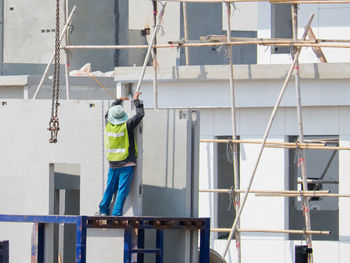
[[155, 31], [267, 131]]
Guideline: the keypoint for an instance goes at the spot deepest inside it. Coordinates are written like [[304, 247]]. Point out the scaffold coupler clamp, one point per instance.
[[54, 127]]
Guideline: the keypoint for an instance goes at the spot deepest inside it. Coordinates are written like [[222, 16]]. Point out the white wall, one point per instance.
[[25, 158], [330, 22], [272, 174], [28, 44]]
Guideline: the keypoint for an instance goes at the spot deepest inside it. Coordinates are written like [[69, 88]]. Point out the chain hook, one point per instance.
[[54, 127]]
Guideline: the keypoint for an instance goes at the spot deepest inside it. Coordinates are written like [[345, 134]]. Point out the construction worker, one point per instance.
[[121, 151]]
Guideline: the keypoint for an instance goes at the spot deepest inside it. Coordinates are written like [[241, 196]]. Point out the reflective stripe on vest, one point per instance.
[[115, 150], [116, 142]]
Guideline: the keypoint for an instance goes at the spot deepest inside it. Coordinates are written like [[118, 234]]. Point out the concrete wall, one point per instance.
[[28, 177]]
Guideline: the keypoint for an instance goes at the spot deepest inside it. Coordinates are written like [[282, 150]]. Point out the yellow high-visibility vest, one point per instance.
[[117, 142]]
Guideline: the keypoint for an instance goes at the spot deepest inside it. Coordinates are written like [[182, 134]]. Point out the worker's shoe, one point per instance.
[[99, 213]]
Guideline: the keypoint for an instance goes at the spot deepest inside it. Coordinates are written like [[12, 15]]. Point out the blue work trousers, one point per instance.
[[119, 180]]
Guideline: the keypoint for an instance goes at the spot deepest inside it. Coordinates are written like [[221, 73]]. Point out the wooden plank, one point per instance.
[[317, 50]]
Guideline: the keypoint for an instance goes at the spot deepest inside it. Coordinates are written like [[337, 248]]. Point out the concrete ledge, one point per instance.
[[10, 81], [241, 72]]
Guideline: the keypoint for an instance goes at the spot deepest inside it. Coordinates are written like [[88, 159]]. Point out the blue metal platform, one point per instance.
[[127, 223]]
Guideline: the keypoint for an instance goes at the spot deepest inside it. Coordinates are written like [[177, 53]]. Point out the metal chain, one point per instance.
[[54, 124]]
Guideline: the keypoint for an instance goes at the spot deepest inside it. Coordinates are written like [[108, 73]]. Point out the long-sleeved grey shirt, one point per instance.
[[131, 124]]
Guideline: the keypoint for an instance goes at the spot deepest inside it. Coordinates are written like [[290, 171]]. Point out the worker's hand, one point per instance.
[[136, 95], [124, 98]]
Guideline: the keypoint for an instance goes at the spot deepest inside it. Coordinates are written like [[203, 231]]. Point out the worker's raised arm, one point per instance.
[[136, 95], [135, 120], [119, 101]]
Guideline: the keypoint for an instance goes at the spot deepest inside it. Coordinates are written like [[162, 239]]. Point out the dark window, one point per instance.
[[226, 211], [4, 251], [322, 169], [281, 25], [199, 25]]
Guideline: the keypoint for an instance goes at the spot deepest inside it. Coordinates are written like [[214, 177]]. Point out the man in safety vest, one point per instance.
[[121, 151]]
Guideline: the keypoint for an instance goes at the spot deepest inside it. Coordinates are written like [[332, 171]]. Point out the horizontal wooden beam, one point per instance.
[[271, 1], [282, 145], [217, 44], [285, 192], [314, 232]]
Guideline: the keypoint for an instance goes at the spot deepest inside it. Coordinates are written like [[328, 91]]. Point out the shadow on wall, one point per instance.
[[172, 201]]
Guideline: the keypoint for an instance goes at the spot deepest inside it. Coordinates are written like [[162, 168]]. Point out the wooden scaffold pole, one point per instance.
[[154, 56], [267, 131], [66, 51], [184, 11], [236, 197], [301, 152]]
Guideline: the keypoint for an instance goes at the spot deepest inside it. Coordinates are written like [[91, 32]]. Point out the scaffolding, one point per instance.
[[301, 145]]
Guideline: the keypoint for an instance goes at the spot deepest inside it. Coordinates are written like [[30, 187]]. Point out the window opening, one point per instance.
[[281, 25], [322, 167], [226, 212]]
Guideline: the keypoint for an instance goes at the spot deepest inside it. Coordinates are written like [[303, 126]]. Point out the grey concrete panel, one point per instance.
[[167, 166], [170, 179], [67, 181], [11, 92], [161, 201], [121, 57], [94, 25], [77, 92], [137, 56], [26, 69], [199, 25]]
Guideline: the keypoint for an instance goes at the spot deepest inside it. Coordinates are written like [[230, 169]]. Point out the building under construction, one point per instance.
[[242, 148]]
